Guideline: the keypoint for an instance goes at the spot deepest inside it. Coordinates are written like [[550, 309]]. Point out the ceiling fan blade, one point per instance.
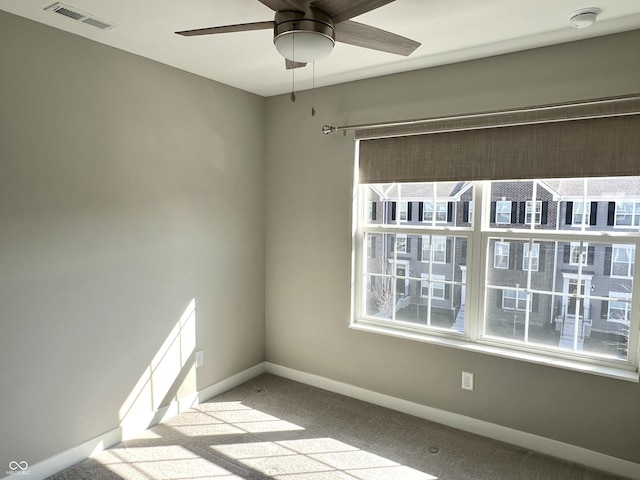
[[341, 10], [276, 5], [241, 27], [291, 64], [366, 36]]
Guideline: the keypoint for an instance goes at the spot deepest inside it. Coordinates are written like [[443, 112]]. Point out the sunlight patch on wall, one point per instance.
[[169, 378]]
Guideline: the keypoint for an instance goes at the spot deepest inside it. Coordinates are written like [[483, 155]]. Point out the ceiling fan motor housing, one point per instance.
[[304, 37]]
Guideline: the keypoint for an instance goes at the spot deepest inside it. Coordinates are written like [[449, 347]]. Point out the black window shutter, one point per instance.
[[593, 215], [420, 211], [465, 212], [535, 302], [604, 309], [544, 215], [447, 291], [448, 252], [591, 255], [568, 219], [499, 294], [541, 255], [566, 258], [419, 252], [607, 261], [409, 208], [393, 211], [393, 242], [523, 211], [374, 207], [512, 256], [611, 213], [493, 212], [514, 212], [408, 243], [449, 212]]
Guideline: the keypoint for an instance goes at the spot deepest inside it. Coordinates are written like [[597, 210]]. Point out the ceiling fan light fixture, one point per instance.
[[304, 46], [304, 37], [584, 18]]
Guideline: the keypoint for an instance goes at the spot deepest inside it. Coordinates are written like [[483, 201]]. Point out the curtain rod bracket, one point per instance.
[[327, 129]]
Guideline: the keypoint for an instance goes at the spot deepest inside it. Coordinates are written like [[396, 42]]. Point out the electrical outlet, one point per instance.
[[199, 358], [467, 381]]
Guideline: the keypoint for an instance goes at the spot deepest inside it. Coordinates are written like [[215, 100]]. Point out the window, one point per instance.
[[434, 289], [439, 248], [514, 300], [581, 212], [518, 286], [440, 212], [578, 253], [535, 256], [401, 243], [503, 212], [619, 307], [501, 255], [529, 212], [627, 214], [404, 211], [622, 261]]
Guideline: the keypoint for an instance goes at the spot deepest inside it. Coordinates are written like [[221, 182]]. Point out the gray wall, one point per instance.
[[127, 188], [308, 238]]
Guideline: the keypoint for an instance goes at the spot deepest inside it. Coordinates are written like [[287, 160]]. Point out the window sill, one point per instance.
[[601, 370]]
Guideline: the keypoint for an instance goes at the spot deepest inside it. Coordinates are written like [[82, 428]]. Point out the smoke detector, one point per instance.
[[584, 18]]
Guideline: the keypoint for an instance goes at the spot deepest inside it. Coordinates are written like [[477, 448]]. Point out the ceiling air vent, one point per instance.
[[78, 15]]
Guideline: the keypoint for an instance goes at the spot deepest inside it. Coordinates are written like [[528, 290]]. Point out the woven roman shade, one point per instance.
[[589, 139]]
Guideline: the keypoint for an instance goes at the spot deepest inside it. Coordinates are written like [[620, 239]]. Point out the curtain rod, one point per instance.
[[327, 129]]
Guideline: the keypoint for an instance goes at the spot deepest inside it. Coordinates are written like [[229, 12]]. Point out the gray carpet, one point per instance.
[[274, 428]]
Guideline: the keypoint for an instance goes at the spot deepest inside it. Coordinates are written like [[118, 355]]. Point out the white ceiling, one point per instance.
[[449, 30]]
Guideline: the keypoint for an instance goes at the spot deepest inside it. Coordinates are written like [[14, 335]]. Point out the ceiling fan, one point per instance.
[[305, 31]]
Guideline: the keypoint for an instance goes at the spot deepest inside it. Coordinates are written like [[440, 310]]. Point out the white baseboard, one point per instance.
[[133, 427], [554, 448]]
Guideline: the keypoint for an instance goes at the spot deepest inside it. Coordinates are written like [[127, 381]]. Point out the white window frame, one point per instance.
[[578, 255], [529, 211], [438, 241], [535, 256], [616, 248], [503, 208], [626, 309], [519, 297], [581, 211], [634, 214], [403, 211], [430, 282], [401, 236], [428, 211], [473, 337], [499, 255]]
